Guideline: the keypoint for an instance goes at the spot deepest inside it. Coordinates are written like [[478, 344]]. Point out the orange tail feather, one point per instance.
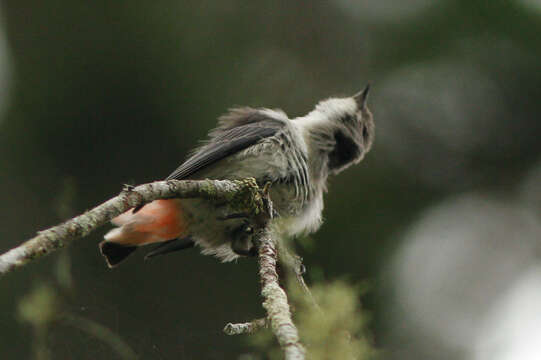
[[157, 221]]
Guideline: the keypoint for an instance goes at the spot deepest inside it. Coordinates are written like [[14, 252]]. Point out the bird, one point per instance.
[[296, 156]]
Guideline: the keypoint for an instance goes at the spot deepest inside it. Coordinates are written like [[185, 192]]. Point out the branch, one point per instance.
[[241, 195], [275, 298]]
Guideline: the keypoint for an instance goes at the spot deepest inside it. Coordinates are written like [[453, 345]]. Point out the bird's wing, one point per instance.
[[238, 130]]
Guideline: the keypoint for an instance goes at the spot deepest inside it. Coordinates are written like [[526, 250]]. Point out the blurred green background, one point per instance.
[[97, 94]]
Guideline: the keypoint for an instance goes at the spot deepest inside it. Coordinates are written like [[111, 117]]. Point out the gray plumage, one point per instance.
[[237, 130], [295, 155]]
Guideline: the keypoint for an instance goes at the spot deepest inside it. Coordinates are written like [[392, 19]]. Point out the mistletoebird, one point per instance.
[[295, 155]]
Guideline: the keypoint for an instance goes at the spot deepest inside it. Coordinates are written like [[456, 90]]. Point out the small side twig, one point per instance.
[[245, 328], [292, 265]]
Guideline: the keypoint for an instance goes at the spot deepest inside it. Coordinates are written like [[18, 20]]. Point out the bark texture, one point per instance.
[[275, 299], [241, 195], [245, 328]]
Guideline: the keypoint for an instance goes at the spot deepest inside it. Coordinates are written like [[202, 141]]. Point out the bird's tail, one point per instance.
[[158, 221]]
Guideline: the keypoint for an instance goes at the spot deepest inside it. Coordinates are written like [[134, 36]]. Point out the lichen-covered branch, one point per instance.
[[240, 195], [275, 298]]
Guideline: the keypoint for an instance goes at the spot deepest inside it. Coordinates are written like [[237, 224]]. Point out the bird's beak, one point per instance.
[[362, 96]]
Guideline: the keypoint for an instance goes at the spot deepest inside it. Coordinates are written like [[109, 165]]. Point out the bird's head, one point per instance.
[[345, 128]]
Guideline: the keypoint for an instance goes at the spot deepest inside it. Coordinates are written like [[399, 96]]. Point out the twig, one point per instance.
[[275, 298], [245, 328], [242, 193], [291, 264]]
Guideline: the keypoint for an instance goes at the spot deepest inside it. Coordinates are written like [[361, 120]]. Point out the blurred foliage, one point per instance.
[[45, 307], [337, 329], [38, 308]]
